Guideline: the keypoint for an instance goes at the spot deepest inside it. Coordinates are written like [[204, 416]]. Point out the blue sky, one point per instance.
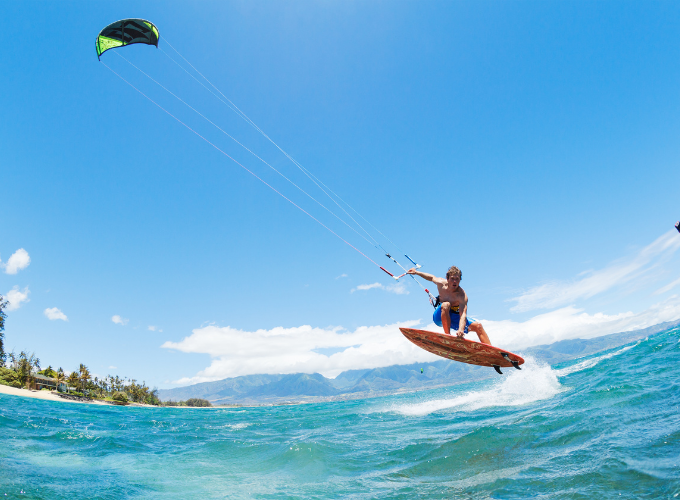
[[532, 144]]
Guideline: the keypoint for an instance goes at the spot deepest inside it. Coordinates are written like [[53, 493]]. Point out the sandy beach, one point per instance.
[[52, 396]]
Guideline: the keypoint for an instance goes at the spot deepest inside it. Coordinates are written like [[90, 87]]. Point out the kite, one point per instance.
[[126, 32]]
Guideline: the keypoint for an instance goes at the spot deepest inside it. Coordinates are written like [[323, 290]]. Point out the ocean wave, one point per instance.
[[233, 427], [589, 363], [536, 381]]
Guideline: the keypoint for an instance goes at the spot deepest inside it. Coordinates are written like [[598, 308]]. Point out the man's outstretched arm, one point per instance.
[[426, 276]]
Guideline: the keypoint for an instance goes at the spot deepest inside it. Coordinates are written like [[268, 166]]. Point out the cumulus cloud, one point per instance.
[[154, 329], [571, 323], [557, 294], [398, 288], [343, 275], [18, 260], [118, 320], [15, 297], [301, 350], [112, 367], [295, 350], [54, 313]]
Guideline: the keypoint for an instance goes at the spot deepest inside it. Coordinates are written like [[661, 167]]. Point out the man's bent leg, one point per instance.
[[479, 330], [446, 317]]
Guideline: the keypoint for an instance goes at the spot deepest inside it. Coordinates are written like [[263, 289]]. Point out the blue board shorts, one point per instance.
[[455, 319]]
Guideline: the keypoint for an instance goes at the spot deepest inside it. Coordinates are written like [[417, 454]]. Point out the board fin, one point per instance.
[[498, 369], [514, 363]]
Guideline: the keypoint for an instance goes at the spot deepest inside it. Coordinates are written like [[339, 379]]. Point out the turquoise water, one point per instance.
[[605, 426]]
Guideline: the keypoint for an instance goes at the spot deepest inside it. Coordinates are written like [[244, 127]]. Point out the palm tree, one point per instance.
[[3, 305], [25, 365], [73, 380], [12, 360], [84, 376], [59, 378]]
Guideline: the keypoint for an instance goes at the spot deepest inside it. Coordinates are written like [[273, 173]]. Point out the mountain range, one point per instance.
[[304, 387]]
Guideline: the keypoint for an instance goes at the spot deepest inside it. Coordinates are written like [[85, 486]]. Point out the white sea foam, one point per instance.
[[535, 382], [237, 427], [589, 363], [233, 427]]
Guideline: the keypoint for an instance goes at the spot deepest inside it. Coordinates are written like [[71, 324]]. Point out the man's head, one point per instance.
[[453, 277], [454, 271]]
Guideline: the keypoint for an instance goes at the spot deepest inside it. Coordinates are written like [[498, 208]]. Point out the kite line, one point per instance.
[[132, 31]]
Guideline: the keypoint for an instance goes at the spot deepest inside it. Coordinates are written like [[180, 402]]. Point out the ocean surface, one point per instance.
[[603, 426]]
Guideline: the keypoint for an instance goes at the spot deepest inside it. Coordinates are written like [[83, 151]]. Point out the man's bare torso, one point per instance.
[[454, 297]]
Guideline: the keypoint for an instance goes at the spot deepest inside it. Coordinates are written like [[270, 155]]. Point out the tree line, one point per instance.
[[20, 370]]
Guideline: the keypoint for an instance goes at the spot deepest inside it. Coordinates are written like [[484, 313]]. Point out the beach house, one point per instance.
[[43, 382]]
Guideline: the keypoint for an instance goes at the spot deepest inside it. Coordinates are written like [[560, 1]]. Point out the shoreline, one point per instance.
[[44, 395], [53, 396]]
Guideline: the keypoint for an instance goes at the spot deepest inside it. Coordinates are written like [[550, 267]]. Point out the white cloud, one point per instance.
[[112, 367], [54, 313], [668, 287], [16, 297], [398, 288], [18, 261], [571, 323], [367, 287], [292, 350], [154, 329], [557, 294], [343, 275], [118, 320]]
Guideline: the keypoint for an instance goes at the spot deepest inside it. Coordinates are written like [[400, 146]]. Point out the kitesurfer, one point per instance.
[[451, 309]]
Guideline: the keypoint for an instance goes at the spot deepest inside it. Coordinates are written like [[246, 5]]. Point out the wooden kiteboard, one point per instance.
[[463, 350]]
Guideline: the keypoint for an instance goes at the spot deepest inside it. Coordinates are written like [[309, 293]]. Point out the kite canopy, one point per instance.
[[126, 32]]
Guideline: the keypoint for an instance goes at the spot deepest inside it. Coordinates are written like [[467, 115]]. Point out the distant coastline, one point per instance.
[[54, 396], [302, 388], [376, 382]]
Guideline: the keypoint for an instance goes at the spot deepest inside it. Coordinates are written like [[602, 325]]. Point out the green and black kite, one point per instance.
[[126, 32]]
